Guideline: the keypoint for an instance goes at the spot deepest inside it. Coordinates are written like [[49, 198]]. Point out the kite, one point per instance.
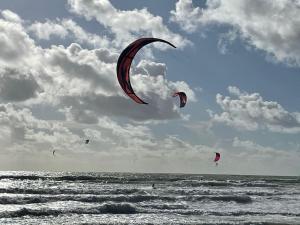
[[124, 63], [217, 158], [182, 97], [87, 141]]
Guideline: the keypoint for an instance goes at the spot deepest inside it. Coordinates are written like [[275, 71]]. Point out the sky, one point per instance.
[[237, 61]]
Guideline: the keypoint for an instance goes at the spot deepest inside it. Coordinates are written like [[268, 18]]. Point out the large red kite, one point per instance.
[[124, 63]]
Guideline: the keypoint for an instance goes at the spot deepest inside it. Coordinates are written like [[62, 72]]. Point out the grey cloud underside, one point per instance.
[[72, 66], [16, 86], [95, 105]]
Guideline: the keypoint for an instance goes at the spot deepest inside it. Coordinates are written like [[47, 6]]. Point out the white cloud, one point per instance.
[[67, 28], [11, 16], [186, 15], [14, 42], [151, 68], [48, 29], [252, 112], [271, 26], [126, 25]]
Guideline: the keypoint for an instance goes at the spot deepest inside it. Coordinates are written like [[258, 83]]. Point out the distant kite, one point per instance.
[[124, 63], [182, 97], [87, 141], [217, 158]]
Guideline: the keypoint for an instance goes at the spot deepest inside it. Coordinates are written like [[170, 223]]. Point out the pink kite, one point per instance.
[[217, 158]]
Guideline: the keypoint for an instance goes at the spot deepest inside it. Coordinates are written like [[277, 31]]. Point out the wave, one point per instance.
[[127, 208], [22, 177], [295, 180], [244, 199], [235, 213], [166, 206], [55, 191], [59, 178], [105, 178], [20, 200], [108, 208], [226, 183], [258, 184]]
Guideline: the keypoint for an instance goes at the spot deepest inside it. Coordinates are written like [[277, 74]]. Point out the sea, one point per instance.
[[129, 198]]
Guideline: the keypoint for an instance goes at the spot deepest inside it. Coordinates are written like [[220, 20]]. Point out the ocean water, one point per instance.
[[127, 198]]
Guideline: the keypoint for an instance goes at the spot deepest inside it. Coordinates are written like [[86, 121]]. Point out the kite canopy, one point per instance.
[[183, 98], [87, 141], [218, 156], [124, 63]]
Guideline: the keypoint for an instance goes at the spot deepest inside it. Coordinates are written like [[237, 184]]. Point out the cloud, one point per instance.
[[48, 29], [252, 112], [14, 41], [17, 86], [91, 90], [82, 82], [151, 68], [81, 86], [186, 15], [67, 28], [11, 16], [21, 123], [24, 136], [266, 158], [271, 26], [254, 148], [121, 22]]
